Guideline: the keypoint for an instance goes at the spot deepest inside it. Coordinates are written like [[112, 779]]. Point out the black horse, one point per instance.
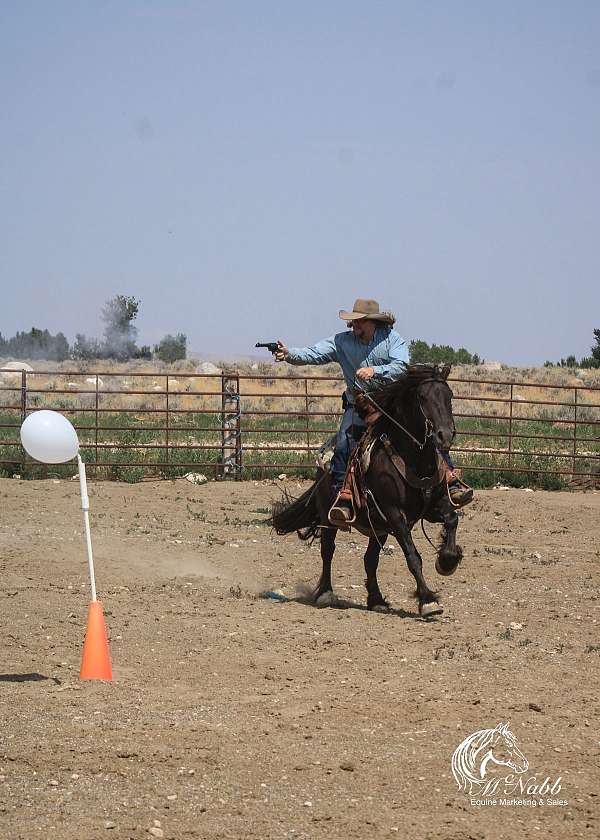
[[415, 423]]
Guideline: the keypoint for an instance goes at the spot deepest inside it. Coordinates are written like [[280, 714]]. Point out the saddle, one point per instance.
[[352, 498]]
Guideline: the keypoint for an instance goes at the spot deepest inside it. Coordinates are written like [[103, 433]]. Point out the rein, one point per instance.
[[428, 423]]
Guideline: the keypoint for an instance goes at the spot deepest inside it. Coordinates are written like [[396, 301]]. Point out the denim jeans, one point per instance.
[[344, 443]]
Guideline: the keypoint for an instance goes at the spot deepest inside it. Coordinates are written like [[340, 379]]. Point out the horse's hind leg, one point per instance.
[[449, 553], [428, 603], [324, 591], [374, 597]]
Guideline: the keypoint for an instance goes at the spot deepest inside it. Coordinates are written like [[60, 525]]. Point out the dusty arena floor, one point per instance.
[[231, 716]]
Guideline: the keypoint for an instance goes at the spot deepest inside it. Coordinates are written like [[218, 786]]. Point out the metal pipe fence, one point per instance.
[[136, 424]]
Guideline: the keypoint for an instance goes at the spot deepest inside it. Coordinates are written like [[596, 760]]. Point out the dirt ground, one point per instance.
[[232, 716]]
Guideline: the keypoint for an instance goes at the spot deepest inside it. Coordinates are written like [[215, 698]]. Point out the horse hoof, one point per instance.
[[326, 599], [446, 571], [430, 609]]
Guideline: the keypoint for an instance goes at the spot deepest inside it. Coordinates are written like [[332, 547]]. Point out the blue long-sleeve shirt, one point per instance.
[[386, 353]]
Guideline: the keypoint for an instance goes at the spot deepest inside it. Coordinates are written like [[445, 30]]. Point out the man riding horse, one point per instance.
[[370, 352]]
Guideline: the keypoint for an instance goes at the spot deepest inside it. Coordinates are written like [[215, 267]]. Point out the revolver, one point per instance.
[[272, 346]]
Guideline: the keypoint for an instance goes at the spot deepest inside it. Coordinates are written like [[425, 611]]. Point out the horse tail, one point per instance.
[[300, 515]]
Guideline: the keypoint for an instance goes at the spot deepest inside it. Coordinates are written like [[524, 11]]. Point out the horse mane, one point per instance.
[[411, 377], [467, 755]]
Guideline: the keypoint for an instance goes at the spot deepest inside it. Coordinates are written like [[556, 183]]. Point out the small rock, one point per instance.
[[53, 783], [534, 707], [348, 766], [282, 477], [172, 797], [110, 824], [515, 625], [196, 478], [155, 831], [208, 367], [307, 804]]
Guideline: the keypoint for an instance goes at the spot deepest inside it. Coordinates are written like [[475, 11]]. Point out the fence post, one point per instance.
[[307, 417], [575, 434], [96, 432], [167, 426], [510, 425], [231, 440], [23, 413]]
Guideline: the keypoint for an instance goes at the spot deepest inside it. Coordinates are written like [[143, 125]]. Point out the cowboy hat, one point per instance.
[[367, 309]]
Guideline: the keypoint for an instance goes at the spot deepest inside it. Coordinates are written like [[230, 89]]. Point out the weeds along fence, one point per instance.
[[137, 425]]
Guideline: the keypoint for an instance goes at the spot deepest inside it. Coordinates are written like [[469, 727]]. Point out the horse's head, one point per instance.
[[484, 755], [435, 399], [504, 750], [419, 396]]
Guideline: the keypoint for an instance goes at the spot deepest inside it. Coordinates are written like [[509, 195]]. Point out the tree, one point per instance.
[[36, 344], [596, 349], [120, 334], [86, 348], [418, 351], [145, 352], [421, 353], [592, 361], [171, 348]]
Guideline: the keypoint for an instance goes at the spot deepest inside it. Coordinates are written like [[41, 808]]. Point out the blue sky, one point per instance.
[[246, 169]]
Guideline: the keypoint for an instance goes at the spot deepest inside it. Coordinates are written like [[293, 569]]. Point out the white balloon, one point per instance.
[[49, 437]]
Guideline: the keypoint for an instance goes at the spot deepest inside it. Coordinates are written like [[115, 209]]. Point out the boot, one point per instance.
[[341, 513], [460, 493]]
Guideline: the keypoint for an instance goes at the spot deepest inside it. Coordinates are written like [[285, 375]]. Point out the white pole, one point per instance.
[[85, 507]]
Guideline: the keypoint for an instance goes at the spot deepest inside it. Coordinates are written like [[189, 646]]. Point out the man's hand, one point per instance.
[[281, 353], [365, 373]]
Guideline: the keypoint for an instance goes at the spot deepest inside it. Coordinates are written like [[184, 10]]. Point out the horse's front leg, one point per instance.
[[428, 603], [449, 553], [324, 591], [375, 599]]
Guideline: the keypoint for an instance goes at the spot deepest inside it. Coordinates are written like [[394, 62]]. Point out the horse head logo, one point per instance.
[[479, 757]]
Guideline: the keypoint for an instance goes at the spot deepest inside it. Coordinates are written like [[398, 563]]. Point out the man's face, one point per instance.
[[363, 329]]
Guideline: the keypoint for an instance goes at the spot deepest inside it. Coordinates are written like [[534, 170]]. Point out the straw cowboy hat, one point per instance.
[[366, 308]]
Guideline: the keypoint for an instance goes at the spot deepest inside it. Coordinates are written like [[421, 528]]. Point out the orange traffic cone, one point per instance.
[[95, 661]]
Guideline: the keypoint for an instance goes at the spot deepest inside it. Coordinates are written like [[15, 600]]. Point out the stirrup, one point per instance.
[[341, 513], [459, 493]]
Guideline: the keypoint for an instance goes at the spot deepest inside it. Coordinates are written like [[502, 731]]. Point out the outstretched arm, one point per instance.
[[319, 354]]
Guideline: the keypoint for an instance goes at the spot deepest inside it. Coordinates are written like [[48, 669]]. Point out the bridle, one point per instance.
[[429, 430]]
